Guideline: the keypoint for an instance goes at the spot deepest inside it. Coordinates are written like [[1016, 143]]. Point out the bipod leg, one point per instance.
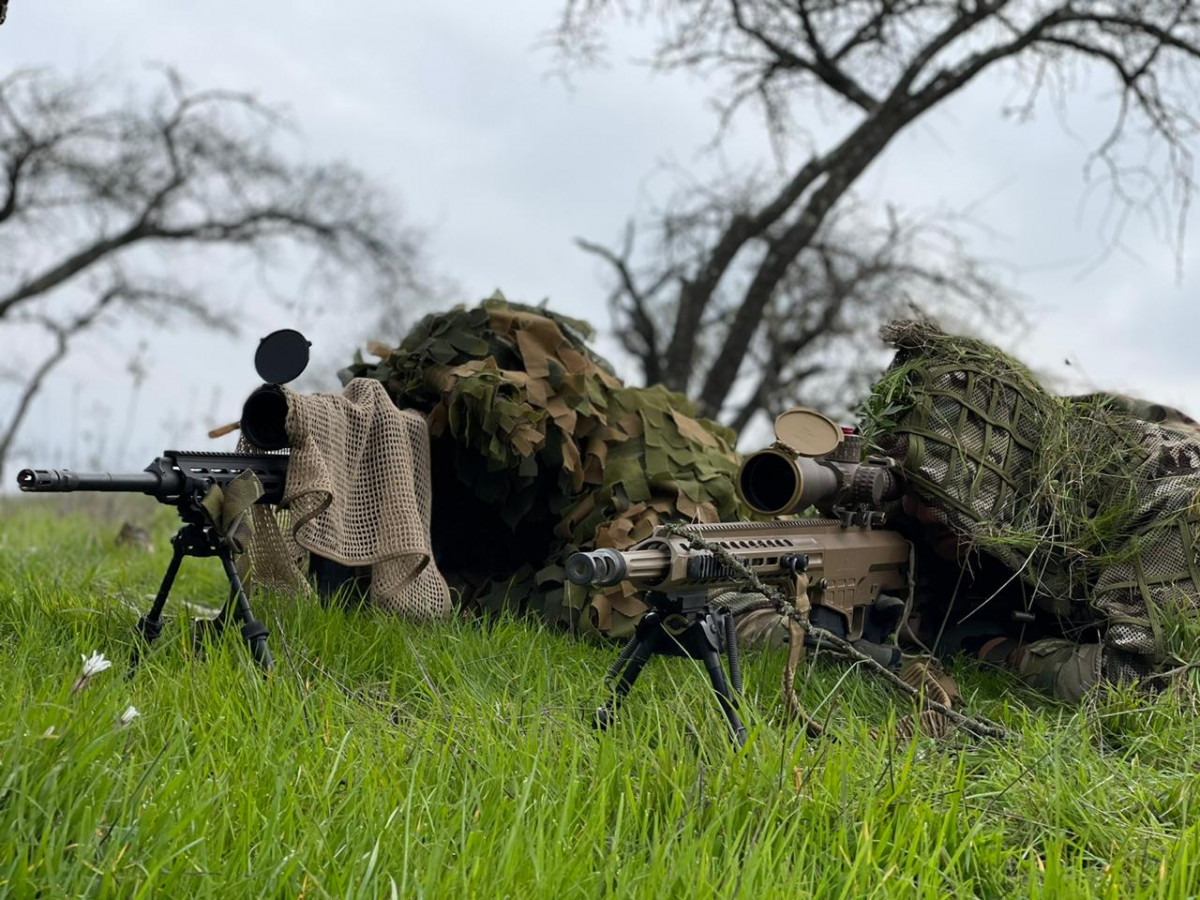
[[212, 629], [150, 624], [716, 674], [628, 666], [254, 632]]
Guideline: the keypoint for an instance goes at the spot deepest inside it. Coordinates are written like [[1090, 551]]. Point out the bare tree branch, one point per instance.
[[37, 378], [643, 343], [886, 63], [99, 198]]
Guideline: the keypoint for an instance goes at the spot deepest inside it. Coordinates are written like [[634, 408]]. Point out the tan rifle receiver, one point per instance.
[[849, 568]]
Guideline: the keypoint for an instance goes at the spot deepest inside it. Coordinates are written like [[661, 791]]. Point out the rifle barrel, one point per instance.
[[64, 480]]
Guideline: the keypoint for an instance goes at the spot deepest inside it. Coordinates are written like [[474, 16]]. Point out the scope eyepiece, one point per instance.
[[598, 568], [264, 418]]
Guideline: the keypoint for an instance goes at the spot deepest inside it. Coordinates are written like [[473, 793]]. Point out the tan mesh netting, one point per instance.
[[359, 493]]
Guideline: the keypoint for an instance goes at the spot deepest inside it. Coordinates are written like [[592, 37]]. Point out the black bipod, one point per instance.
[[680, 625], [195, 538]]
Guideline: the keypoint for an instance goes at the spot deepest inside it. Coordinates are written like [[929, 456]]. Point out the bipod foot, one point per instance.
[[720, 627], [725, 697], [255, 634], [603, 716], [146, 632], [150, 624]]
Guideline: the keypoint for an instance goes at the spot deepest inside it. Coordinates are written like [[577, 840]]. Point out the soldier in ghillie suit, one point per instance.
[[538, 449], [1058, 535]]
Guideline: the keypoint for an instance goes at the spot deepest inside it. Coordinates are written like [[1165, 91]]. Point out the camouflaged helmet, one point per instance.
[[1092, 503]]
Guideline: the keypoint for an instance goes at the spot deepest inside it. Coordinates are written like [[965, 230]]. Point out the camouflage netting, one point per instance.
[[1091, 505], [538, 449]]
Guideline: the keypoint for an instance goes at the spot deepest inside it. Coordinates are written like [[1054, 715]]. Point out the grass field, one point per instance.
[[390, 759]]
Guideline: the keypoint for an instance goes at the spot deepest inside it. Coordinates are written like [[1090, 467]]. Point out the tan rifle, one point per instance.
[[850, 576]]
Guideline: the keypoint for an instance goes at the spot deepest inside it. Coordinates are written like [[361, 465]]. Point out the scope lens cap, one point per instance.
[[281, 356], [806, 432]]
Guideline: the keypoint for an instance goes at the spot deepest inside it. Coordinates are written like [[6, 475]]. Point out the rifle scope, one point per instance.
[[264, 417], [814, 463], [773, 482], [281, 357]]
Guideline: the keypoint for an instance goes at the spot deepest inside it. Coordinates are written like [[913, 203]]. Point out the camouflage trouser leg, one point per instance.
[[1061, 668], [761, 629]]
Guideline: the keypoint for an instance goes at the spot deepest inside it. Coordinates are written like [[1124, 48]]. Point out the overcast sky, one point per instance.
[[451, 106]]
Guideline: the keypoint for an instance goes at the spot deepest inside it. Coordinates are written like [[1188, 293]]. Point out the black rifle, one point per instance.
[[183, 480]]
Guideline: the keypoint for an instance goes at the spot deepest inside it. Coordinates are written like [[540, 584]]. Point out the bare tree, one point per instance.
[[103, 203], [744, 271]]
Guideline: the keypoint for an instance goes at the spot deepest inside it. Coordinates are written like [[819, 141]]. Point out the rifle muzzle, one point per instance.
[[598, 568]]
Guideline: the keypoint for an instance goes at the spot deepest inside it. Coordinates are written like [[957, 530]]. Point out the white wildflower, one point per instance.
[[95, 664], [128, 716], [92, 665]]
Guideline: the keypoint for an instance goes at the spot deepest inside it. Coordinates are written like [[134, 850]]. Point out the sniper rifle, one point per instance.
[[843, 573], [212, 493]]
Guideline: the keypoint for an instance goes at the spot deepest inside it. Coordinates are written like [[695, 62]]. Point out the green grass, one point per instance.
[[386, 758]]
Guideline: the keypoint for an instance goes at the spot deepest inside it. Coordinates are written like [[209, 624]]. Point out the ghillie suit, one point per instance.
[[539, 450], [1090, 511]]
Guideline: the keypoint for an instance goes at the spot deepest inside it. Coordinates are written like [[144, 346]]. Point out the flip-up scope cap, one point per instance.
[[806, 432], [281, 356]]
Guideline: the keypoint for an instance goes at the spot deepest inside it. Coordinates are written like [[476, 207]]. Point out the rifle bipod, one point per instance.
[[200, 540], [680, 625]]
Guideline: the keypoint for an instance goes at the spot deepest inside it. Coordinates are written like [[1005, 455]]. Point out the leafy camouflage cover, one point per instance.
[[539, 449]]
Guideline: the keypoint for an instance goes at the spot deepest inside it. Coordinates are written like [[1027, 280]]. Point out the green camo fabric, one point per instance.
[[1092, 501], [539, 430]]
